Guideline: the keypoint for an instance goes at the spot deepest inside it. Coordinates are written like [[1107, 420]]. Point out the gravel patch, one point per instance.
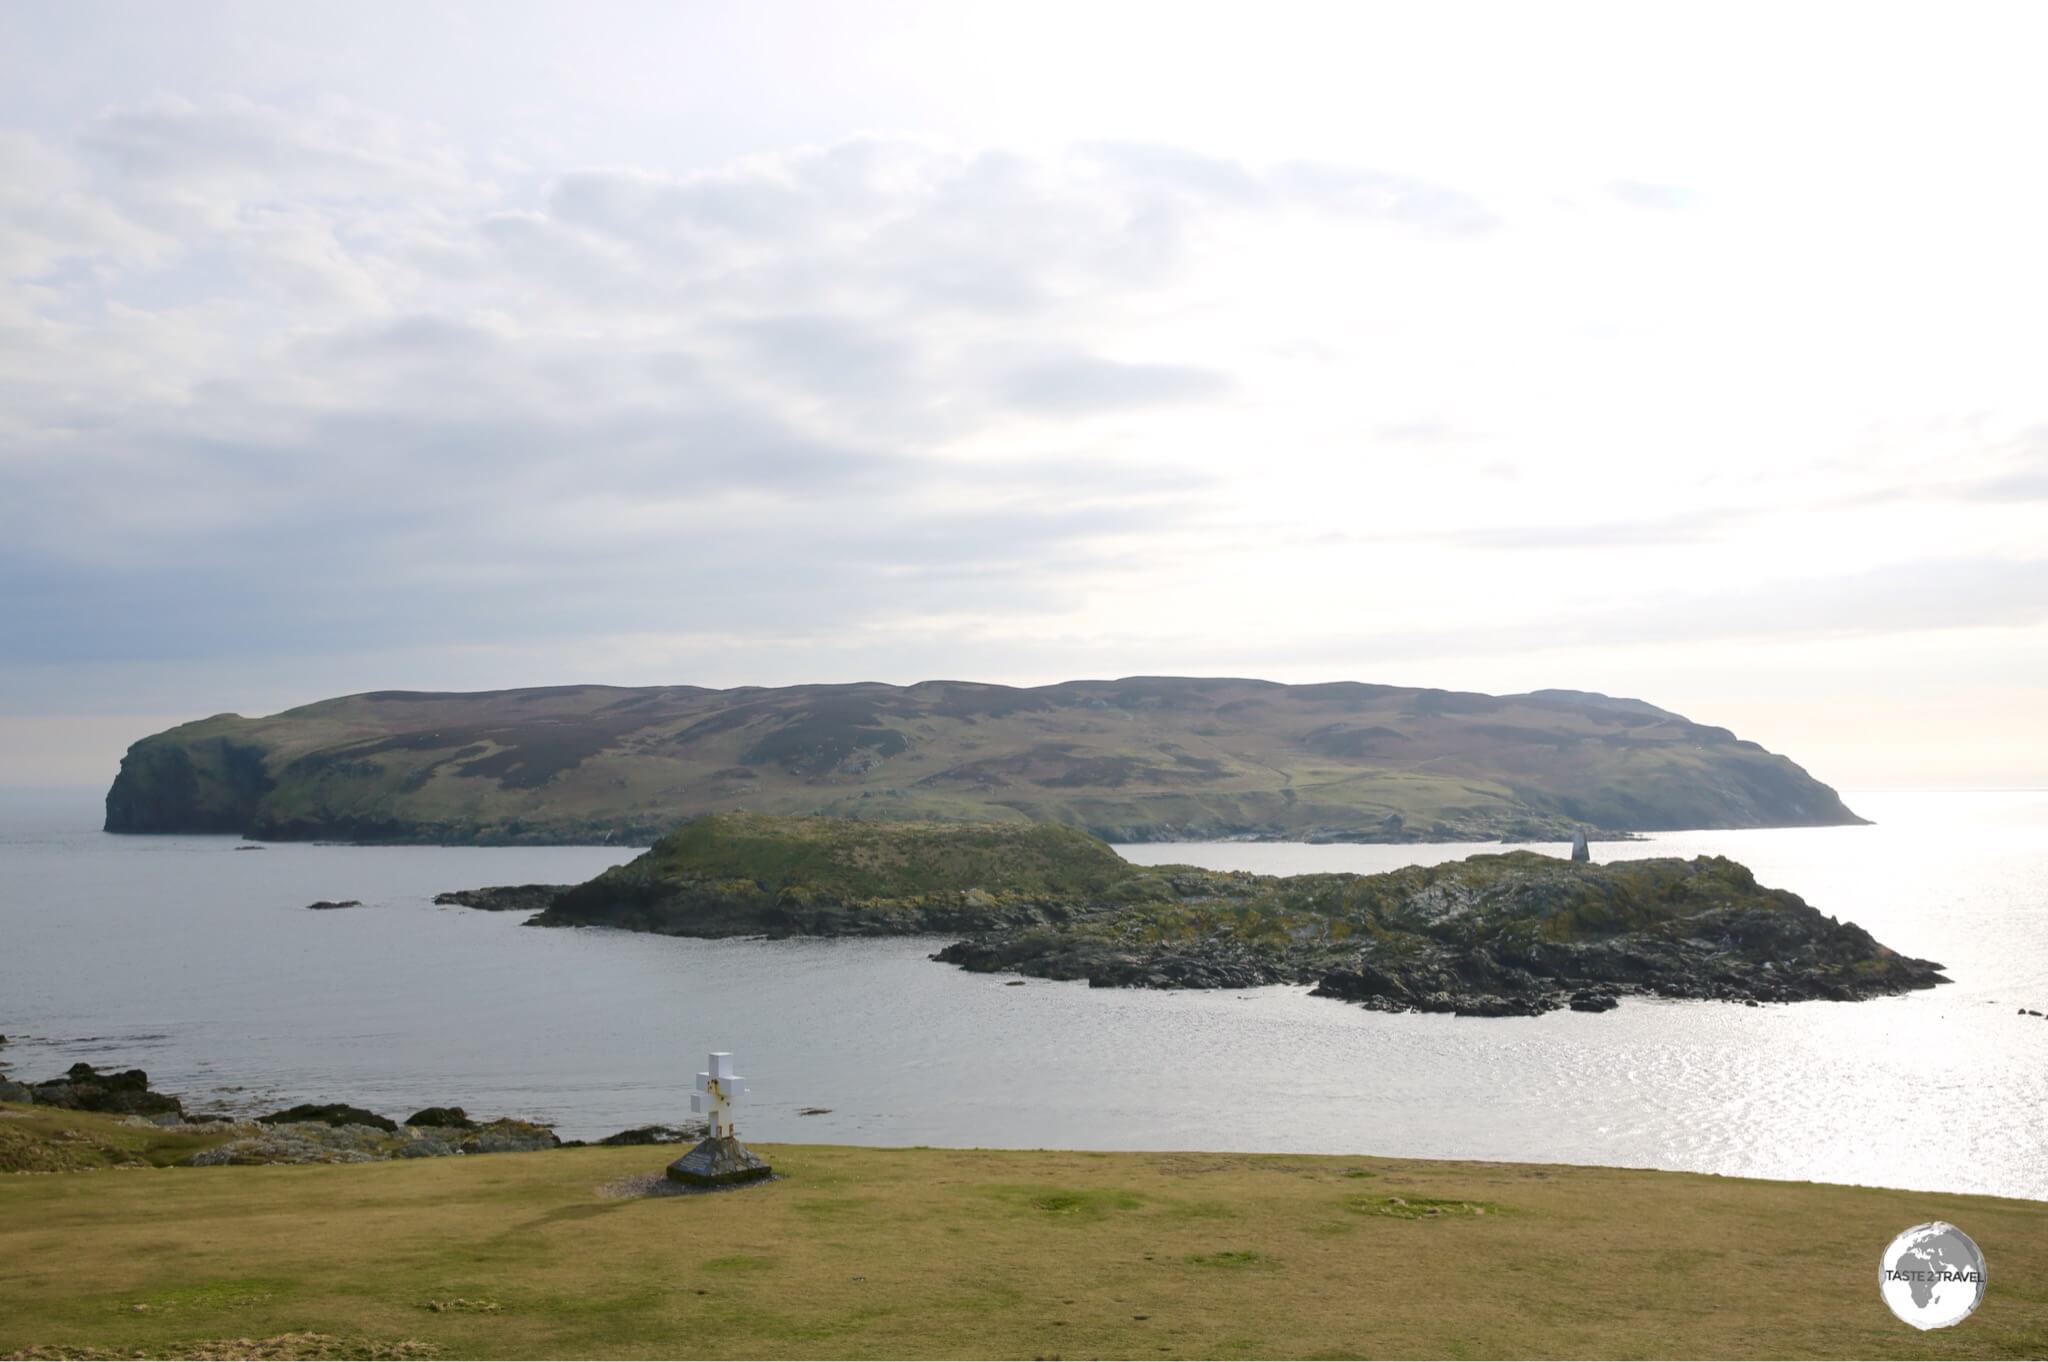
[[660, 1184]]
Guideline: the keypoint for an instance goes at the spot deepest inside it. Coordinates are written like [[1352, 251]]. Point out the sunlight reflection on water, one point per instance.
[[200, 964]]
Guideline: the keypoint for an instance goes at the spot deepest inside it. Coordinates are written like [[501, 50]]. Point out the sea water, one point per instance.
[[202, 964]]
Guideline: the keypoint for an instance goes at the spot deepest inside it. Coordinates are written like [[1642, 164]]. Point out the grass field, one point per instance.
[[938, 1253]]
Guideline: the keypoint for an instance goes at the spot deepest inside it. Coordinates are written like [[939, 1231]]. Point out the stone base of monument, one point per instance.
[[718, 1162]]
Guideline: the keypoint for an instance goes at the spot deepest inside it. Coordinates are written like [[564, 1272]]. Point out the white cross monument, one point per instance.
[[719, 1159], [716, 1089]]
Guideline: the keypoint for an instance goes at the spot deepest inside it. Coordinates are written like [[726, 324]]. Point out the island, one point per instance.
[[1132, 760], [1512, 934]]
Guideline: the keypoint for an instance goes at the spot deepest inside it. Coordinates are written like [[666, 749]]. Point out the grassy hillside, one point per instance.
[[43, 1139], [968, 1253], [748, 874], [1137, 759], [857, 860]]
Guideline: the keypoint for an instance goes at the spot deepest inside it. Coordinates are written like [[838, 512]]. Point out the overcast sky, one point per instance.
[[1690, 354]]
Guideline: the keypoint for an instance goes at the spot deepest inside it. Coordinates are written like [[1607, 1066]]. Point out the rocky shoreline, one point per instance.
[[1492, 936], [1722, 956], [1514, 934], [329, 1132]]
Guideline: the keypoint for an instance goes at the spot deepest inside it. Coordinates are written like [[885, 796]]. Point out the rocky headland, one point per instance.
[[1493, 935]]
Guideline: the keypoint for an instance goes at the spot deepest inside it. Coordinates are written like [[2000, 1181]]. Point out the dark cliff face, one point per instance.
[[207, 785]]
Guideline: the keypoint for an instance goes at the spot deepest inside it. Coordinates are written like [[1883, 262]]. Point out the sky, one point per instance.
[[1691, 353]]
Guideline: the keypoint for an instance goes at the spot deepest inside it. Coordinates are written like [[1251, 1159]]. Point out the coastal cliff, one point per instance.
[[1141, 759], [1497, 935]]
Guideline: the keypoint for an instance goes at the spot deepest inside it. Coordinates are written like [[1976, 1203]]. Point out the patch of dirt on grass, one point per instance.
[[660, 1184], [1066, 1203], [1231, 1258], [1418, 1207], [280, 1346]]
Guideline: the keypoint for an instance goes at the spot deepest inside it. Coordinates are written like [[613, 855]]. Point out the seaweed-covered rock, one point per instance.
[[428, 1145], [328, 1113], [298, 1142], [640, 1135], [503, 898], [509, 1137], [122, 1093], [327, 905], [322, 1141], [454, 1117]]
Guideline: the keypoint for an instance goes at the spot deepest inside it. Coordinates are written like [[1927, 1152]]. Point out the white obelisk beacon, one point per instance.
[[717, 1087], [719, 1158]]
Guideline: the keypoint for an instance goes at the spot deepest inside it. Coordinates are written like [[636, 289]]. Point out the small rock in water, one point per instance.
[[501, 898], [814, 1111], [83, 1088], [330, 1114], [658, 1135], [324, 904], [252, 848]]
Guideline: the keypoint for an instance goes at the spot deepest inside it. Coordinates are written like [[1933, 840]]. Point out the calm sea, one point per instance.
[[201, 964]]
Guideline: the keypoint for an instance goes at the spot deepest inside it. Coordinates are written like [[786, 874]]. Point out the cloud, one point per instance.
[[822, 353], [264, 154], [1352, 191], [329, 382], [1684, 528], [1661, 198], [2022, 486], [49, 215], [1085, 384], [287, 385], [639, 403], [1913, 598]]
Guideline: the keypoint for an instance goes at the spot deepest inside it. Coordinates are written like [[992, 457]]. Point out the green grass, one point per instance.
[[951, 1253], [845, 859], [50, 1140]]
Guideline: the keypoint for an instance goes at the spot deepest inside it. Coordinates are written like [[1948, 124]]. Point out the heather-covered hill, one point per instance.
[[1144, 758]]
